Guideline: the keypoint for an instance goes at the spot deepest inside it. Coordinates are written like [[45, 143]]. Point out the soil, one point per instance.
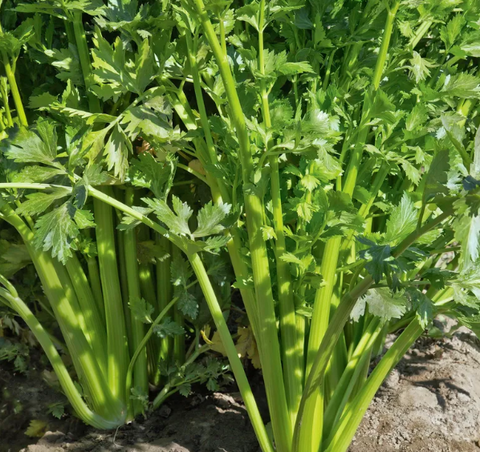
[[430, 403]]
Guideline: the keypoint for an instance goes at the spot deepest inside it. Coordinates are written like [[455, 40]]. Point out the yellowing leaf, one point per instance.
[[215, 343], [247, 346], [197, 166], [36, 429]]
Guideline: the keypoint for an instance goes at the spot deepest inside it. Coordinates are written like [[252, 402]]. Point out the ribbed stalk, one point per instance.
[[140, 377], [94, 278], [84, 56], [94, 326], [141, 346], [14, 90], [335, 329], [310, 440], [268, 337], [179, 339], [147, 289], [365, 208], [292, 367], [117, 344], [6, 106], [421, 31], [217, 187], [17, 99], [350, 376], [235, 363], [55, 283], [122, 268], [351, 420], [164, 293], [220, 193], [314, 410], [68, 386]]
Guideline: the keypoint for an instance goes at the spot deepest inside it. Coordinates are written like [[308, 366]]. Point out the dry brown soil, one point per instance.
[[430, 403]]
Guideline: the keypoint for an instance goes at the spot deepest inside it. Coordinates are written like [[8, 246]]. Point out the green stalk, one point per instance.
[[147, 289], [179, 339], [217, 188], [292, 367], [94, 326], [320, 321], [365, 208], [235, 363], [268, 337], [351, 420], [70, 32], [219, 191], [339, 359], [353, 50], [122, 267], [117, 344], [57, 287], [4, 93], [94, 278], [84, 56], [335, 329], [350, 376], [140, 377], [182, 108], [164, 293], [422, 29], [68, 386], [141, 346], [223, 39], [312, 437], [22, 117], [328, 71], [354, 164]]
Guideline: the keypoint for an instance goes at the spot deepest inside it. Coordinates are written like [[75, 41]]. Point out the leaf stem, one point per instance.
[[235, 363], [335, 329], [117, 344], [140, 375], [293, 371], [61, 371], [84, 56], [351, 419], [268, 335], [22, 117]]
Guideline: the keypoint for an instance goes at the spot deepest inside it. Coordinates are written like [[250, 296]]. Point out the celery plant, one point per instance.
[[328, 151], [103, 312]]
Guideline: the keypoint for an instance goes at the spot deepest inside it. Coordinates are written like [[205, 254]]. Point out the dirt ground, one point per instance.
[[431, 403]]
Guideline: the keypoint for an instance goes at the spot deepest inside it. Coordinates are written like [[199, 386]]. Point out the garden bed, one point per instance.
[[430, 403]]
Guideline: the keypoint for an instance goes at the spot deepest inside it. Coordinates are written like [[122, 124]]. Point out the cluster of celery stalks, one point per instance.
[[316, 383]]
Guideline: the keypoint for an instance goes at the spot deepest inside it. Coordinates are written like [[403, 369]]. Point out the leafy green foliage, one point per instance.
[[114, 73], [402, 221], [168, 328], [138, 395], [182, 377], [57, 410], [57, 230], [381, 303], [141, 310], [28, 146], [15, 352], [320, 142]]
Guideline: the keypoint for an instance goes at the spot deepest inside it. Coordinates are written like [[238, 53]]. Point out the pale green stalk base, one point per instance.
[[66, 382], [350, 421]]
